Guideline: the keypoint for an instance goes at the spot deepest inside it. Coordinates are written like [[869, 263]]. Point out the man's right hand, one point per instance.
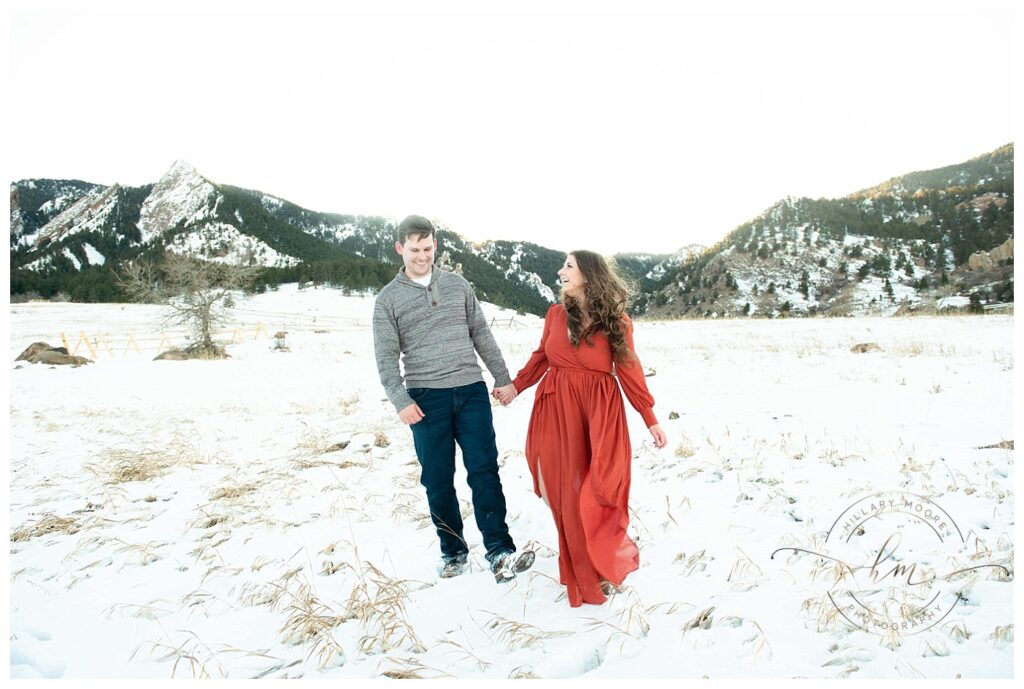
[[505, 394], [411, 414]]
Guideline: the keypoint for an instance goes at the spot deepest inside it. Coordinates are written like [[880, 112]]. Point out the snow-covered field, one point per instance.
[[262, 517]]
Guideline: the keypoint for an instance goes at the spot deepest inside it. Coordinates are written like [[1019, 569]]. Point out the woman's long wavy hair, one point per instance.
[[606, 295]]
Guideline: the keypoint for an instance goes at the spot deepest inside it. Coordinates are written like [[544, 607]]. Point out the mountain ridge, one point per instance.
[[69, 236], [897, 247]]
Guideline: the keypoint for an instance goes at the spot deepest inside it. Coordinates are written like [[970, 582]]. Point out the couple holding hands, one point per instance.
[[577, 444]]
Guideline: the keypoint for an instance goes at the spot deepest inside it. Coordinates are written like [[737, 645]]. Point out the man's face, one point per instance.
[[417, 254]]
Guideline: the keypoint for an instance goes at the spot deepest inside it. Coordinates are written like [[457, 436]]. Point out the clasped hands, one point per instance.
[[505, 394]]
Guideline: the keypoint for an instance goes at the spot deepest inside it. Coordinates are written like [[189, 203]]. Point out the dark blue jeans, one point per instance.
[[460, 415]]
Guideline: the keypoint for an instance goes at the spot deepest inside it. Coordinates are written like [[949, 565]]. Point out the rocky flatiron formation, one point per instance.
[[986, 260], [181, 198]]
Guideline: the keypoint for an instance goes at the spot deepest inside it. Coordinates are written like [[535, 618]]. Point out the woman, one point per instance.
[[577, 445]]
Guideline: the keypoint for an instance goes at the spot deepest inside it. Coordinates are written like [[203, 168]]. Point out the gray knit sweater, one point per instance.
[[437, 330]]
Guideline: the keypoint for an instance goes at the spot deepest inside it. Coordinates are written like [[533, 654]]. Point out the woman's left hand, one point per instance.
[[660, 440], [505, 394]]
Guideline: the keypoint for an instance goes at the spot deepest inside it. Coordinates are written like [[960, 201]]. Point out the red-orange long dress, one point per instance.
[[578, 450]]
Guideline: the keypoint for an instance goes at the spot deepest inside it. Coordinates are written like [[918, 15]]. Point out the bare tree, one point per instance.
[[197, 293]]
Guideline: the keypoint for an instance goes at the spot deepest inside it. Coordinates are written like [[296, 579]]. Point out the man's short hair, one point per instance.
[[415, 226]]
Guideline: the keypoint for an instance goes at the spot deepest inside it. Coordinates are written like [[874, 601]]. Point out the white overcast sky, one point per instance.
[[614, 126]]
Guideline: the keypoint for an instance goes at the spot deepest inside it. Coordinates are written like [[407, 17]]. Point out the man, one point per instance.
[[432, 319]]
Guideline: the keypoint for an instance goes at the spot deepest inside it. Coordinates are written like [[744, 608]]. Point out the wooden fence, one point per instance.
[[113, 346]]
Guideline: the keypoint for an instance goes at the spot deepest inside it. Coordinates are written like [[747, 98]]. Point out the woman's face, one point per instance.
[[571, 277]]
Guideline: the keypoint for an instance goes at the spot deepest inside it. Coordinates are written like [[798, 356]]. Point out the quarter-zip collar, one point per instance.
[[406, 280], [430, 292]]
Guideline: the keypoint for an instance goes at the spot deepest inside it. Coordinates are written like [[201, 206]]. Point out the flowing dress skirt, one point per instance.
[[579, 452]]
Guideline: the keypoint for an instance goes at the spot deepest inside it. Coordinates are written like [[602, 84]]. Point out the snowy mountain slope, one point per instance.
[[35, 202], [897, 247]]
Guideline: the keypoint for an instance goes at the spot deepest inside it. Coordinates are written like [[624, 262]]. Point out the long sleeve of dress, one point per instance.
[[631, 378], [538, 363]]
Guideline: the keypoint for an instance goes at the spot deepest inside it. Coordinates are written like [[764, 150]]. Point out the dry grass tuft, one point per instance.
[[255, 594], [745, 574], [697, 562], [139, 465], [312, 441], [825, 613], [208, 521], [299, 463], [631, 621], [934, 647], [673, 607], [890, 635], [221, 570], [143, 553], [760, 642], [198, 656], [233, 492], [123, 465], [378, 602], [149, 611], [519, 635], [685, 448], [540, 550], [409, 508], [915, 348], [260, 562], [702, 621], [1002, 636], [269, 593], [347, 405], [48, 524], [407, 481], [466, 654], [957, 631], [191, 653], [330, 567], [311, 621], [523, 672]]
